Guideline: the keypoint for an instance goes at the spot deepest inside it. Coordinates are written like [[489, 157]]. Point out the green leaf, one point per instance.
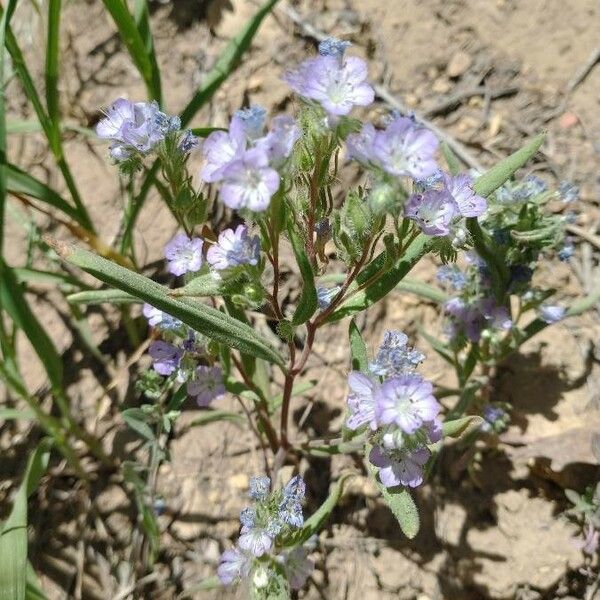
[[204, 319], [315, 523], [33, 591], [358, 349], [13, 414], [438, 346], [400, 502], [142, 19], [137, 46], [308, 303], [102, 296], [423, 289], [212, 416], [505, 169], [383, 284], [13, 531], [458, 427], [137, 419], [20, 182], [451, 159], [52, 62], [202, 285], [12, 299]]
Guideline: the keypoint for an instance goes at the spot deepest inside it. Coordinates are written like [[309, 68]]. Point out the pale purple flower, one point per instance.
[[207, 385], [233, 566], [297, 566], [434, 430], [234, 248], [494, 418], [468, 202], [290, 508], [452, 276], [326, 295], [398, 467], [279, 141], [184, 254], [333, 47], [253, 120], [255, 540], [337, 84], [361, 401], [406, 149], [187, 142], [359, 146], [248, 517], [295, 488], [496, 316], [220, 148], [407, 401], [249, 181], [589, 541], [466, 318], [138, 126], [158, 318], [395, 356], [551, 314], [260, 486], [166, 357], [433, 211]]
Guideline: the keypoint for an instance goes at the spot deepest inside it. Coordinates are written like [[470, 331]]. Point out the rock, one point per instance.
[[441, 86], [458, 64], [568, 120]]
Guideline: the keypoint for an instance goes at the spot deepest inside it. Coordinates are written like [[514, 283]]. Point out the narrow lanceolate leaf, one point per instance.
[[458, 427], [451, 159], [381, 286], [203, 285], [20, 182], [307, 305], [505, 169], [318, 518], [52, 62], [12, 299], [204, 319], [102, 297], [399, 501], [13, 531], [136, 46], [358, 350]]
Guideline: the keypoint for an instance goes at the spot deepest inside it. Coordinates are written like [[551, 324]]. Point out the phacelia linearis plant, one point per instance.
[[280, 180]]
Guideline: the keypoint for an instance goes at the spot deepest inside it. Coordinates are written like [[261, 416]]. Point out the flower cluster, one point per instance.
[[261, 550], [244, 160], [399, 408], [136, 128]]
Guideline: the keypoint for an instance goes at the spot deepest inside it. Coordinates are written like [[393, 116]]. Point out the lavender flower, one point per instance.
[[166, 357], [359, 146], [468, 202], [452, 276], [496, 316], [494, 418], [221, 148], [187, 142], [405, 149], [551, 314], [259, 487], [184, 255], [399, 467], [567, 191], [407, 401], [333, 47], [138, 126], [249, 182], [255, 540], [253, 120], [335, 82], [234, 248], [207, 385], [279, 141], [158, 318], [297, 566], [395, 356], [326, 295], [589, 541], [248, 517], [233, 566], [361, 401], [433, 211]]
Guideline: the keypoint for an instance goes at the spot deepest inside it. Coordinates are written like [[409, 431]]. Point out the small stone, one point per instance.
[[441, 86], [568, 120], [458, 64]]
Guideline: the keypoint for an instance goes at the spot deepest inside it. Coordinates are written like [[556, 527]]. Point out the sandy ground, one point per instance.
[[490, 74]]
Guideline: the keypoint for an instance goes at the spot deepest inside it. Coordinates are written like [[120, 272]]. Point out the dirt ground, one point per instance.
[[489, 73]]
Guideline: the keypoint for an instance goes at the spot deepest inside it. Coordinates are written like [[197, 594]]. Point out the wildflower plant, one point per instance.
[[278, 179]]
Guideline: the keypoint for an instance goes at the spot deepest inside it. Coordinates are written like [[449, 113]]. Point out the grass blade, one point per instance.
[[52, 61], [136, 46], [142, 19], [13, 531], [204, 319]]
